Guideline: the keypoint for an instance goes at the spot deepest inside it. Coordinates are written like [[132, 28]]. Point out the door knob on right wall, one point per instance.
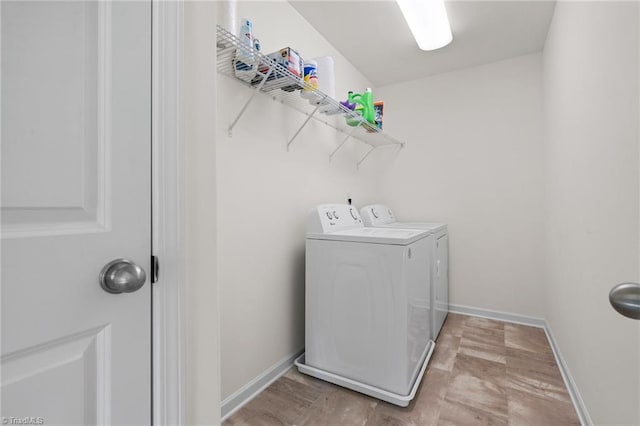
[[625, 298]]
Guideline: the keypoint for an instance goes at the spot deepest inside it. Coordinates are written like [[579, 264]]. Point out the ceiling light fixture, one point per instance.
[[428, 22]]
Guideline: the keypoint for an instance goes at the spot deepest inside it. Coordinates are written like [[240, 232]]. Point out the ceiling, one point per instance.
[[375, 38]]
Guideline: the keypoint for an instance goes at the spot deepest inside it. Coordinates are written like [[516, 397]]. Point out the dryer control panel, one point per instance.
[[327, 218], [377, 214]]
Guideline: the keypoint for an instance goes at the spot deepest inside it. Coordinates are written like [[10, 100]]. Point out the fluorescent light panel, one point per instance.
[[428, 22]]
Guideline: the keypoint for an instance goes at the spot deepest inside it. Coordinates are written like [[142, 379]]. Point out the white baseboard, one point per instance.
[[238, 399], [497, 315], [576, 399], [578, 403]]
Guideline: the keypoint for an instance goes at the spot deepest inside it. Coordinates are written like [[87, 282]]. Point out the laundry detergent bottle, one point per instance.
[[364, 107], [310, 76]]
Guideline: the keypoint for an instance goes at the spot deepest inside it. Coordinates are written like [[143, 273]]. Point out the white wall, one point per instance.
[[591, 103], [264, 194], [542, 224], [202, 308], [474, 160]]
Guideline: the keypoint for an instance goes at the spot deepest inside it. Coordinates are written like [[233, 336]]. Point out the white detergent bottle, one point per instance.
[[245, 61]]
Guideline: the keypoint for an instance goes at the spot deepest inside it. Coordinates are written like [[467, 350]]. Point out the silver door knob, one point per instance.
[[122, 276], [625, 298]]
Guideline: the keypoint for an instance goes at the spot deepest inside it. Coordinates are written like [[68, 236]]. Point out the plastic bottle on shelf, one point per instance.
[[326, 84], [245, 61], [310, 77], [364, 107]]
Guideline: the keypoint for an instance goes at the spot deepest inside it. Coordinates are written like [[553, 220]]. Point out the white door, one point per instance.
[[75, 195]]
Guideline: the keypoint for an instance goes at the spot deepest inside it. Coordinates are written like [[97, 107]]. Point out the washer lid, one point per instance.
[[373, 235]]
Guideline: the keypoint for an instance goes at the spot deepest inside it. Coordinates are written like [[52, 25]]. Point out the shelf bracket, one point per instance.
[[255, 92], [343, 142], [365, 156], [295, 135]]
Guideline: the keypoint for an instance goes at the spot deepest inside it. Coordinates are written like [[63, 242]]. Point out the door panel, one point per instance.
[[32, 378], [76, 190], [56, 124]]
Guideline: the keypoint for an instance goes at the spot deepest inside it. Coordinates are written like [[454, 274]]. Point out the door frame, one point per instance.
[[168, 295]]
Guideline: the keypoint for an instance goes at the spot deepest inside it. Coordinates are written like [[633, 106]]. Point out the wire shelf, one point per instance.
[[267, 77]]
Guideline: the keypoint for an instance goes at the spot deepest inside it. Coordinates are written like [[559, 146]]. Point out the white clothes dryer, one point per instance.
[[381, 216], [367, 308]]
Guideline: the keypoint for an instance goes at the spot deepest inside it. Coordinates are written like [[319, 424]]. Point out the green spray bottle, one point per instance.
[[364, 107]]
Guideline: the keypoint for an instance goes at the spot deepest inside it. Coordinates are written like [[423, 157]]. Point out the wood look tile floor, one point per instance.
[[483, 372]]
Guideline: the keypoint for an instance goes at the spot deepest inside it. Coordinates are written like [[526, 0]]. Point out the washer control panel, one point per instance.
[[327, 218]]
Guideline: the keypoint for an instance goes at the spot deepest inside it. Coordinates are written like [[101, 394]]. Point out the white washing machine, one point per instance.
[[381, 216], [367, 308]]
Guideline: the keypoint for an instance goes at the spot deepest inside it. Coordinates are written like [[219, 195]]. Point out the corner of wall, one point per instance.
[[202, 305]]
